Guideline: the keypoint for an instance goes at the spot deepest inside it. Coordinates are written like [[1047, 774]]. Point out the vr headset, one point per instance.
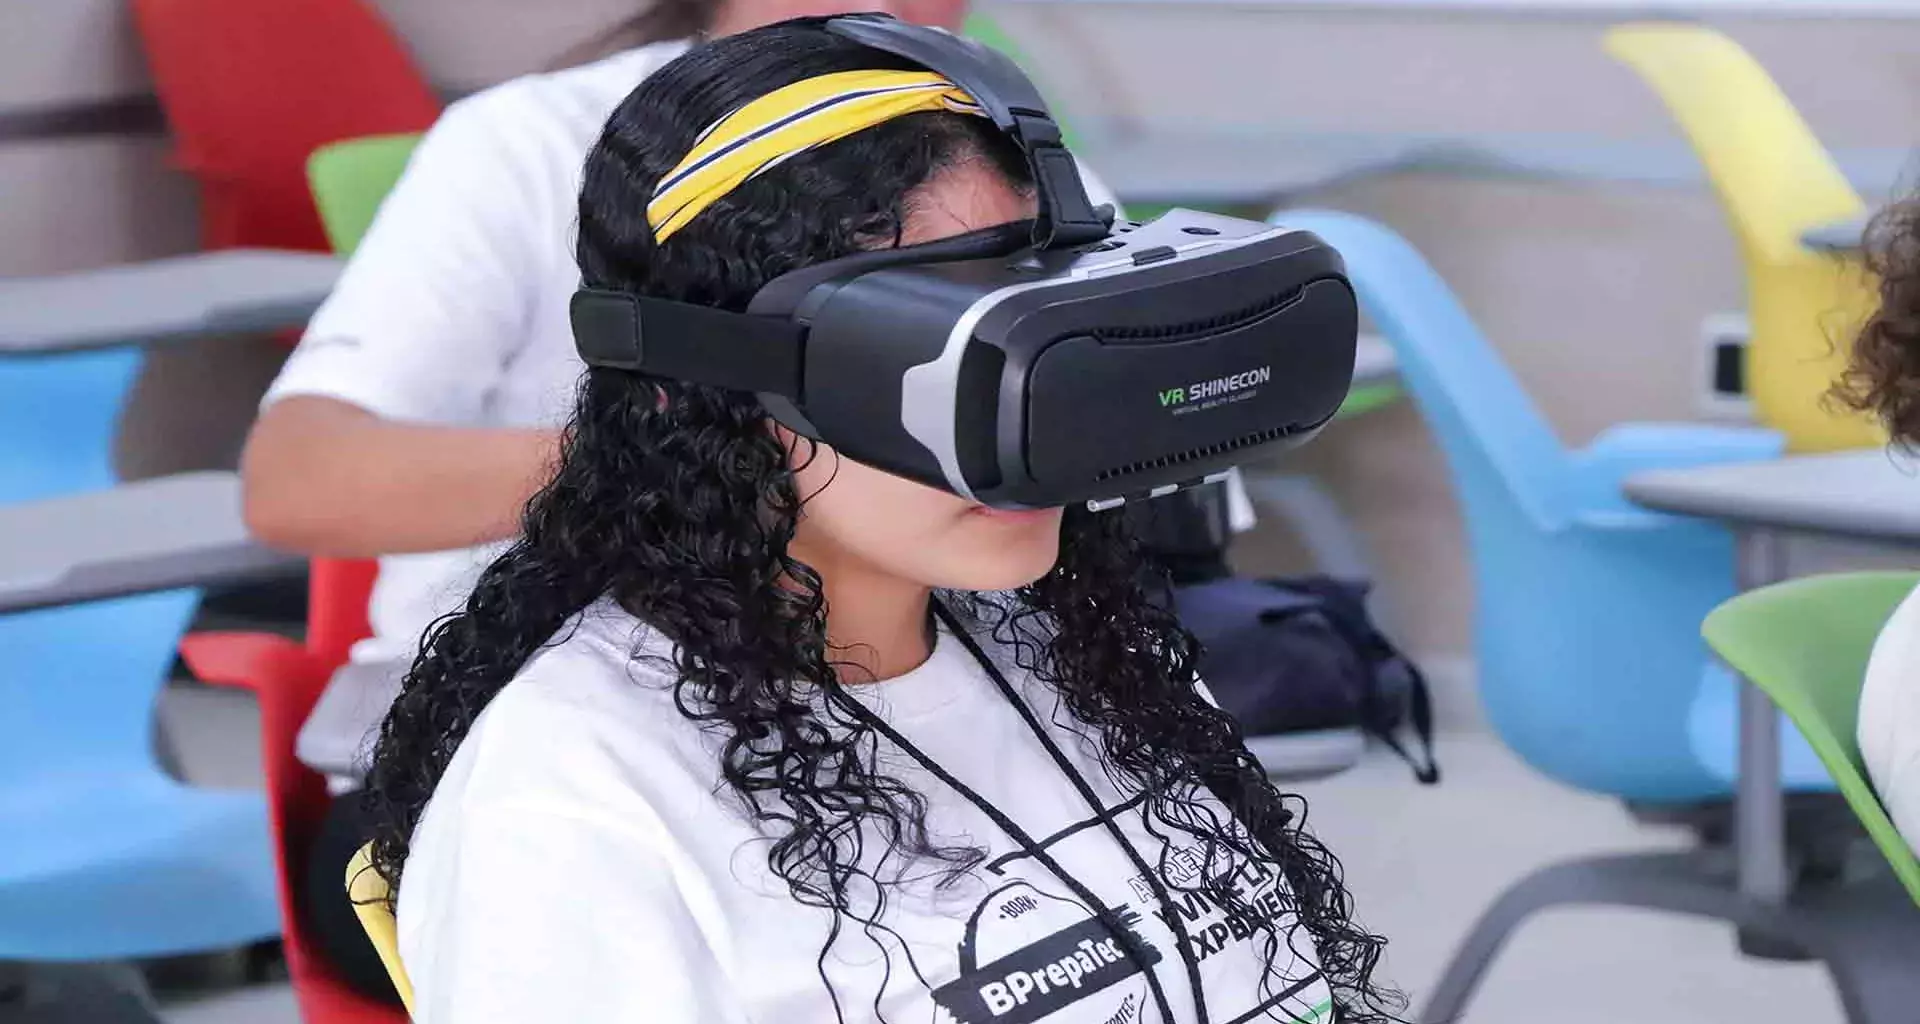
[[1053, 362]]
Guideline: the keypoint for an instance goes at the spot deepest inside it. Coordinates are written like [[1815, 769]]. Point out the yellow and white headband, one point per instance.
[[790, 120]]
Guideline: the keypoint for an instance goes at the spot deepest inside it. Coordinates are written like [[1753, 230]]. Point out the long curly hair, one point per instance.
[[678, 503], [1883, 375]]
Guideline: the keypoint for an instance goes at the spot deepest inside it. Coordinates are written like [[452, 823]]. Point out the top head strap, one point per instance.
[[790, 120], [1067, 217]]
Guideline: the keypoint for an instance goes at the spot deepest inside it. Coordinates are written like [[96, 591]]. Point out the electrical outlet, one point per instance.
[[1721, 384]]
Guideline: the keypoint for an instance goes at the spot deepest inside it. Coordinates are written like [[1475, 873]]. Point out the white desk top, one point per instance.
[[177, 531], [1868, 495], [1839, 237], [1251, 169], [178, 298]]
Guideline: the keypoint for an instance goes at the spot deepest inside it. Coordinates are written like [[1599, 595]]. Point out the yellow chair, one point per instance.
[[1776, 182], [372, 902]]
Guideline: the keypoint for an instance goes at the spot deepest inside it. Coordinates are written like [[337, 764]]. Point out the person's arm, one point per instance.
[[371, 441], [525, 914], [332, 479]]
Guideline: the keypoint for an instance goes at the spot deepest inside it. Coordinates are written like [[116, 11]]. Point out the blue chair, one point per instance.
[[1587, 638], [103, 856]]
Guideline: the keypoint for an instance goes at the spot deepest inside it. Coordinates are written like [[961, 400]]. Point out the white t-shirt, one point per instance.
[[453, 309], [581, 860], [1889, 729]]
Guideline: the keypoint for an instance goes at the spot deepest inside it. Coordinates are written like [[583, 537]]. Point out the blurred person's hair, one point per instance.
[[1883, 376], [679, 504]]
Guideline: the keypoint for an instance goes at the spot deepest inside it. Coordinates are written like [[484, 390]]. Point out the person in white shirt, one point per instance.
[[741, 730], [1883, 378]]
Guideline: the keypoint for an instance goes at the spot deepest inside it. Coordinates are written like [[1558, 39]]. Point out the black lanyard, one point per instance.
[[1123, 934]]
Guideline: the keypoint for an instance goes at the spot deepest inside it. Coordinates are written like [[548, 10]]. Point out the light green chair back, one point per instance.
[[350, 178], [1806, 643]]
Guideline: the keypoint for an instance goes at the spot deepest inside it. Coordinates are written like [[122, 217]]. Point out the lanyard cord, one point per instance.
[[1121, 932], [1160, 893], [1025, 841]]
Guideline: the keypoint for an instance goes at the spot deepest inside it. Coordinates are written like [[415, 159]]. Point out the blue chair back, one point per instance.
[[105, 856], [77, 685], [1587, 626]]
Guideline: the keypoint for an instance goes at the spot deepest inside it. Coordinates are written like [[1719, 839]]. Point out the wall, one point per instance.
[[1594, 290]]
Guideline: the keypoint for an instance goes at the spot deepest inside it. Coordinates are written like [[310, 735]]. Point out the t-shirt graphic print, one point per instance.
[[1028, 953], [1031, 952]]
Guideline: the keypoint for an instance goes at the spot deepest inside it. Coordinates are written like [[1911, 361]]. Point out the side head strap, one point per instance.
[[687, 342], [1067, 216], [762, 350]]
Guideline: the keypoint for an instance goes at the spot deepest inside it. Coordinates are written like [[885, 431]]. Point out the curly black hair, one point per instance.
[[1883, 375], [676, 501]]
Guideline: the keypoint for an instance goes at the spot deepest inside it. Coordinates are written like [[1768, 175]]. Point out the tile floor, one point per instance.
[[1423, 862]]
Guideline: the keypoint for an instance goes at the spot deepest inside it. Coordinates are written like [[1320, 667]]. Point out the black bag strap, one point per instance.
[[1420, 718], [1345, 607]]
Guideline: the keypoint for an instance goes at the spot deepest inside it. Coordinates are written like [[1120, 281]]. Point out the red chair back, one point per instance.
[[252, 88], [287, 679], [338, 592]]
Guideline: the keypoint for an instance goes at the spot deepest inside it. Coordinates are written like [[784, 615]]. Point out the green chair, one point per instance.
[[1806, 643], [350, 178]]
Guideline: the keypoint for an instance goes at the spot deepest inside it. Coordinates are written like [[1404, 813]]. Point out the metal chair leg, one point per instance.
[[1687, 883], [1866, 932]]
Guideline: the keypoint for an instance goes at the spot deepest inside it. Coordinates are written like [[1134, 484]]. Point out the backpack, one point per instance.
[[1299, 654]]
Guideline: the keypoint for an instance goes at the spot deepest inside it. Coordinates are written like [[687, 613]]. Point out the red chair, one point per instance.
[[286, 676], [252, 88]]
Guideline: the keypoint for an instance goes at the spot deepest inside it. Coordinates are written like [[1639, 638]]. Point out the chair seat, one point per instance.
[[1713, 726], [131, 866]]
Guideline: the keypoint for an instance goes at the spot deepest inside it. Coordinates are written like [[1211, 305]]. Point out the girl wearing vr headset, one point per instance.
[[424, 405], [741, 730]]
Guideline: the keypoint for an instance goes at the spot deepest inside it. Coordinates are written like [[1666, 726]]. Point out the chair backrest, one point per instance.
[[349, 180], [58, 417], [373, 903], [1806, 643], [251, 89], [1584, 641], [1510, 467], [1776, 182], [76, 684]]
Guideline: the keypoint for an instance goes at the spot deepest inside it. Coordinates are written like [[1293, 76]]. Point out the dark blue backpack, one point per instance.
[[1302, 654]]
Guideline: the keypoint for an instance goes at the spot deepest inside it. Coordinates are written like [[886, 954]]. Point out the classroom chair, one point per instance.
[[1586, 638], [251, 89], [1776, 182], [349, 179], [286, 677], [105, 856], [1806, 643]]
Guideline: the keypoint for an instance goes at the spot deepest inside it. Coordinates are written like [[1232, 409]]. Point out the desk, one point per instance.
[[182, 297], [177, 531], [1865, 495], [1841, 238], [1214, 169]]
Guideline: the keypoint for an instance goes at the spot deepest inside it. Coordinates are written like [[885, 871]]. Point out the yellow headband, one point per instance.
[[793, 120]]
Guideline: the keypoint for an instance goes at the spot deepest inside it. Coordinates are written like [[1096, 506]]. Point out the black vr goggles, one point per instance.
[[1054, 362]]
